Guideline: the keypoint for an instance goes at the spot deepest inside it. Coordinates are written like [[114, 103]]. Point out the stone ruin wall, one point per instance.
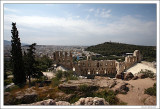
[[63, 58], [95, 67], [90, 67]]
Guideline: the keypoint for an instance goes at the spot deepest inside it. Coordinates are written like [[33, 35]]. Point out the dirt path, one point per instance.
[[135, 95]]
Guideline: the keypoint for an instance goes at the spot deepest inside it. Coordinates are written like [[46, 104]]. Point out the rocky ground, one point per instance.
[[135, 95], [130, 91]]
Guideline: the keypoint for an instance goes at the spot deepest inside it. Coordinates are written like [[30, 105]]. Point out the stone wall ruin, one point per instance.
[[96, 67]]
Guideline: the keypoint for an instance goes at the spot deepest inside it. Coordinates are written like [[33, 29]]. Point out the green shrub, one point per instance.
[[55, 82], [151, 91], [108, 95], [59, 74], [42, 78], [74, 99], [148, 73], [72, 78], [83, 88], [69, 75]]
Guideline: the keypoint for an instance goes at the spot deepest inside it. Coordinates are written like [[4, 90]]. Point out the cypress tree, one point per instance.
[[19, 76]]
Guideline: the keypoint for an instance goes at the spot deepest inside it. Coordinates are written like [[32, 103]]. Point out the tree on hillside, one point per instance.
[[29, 58], [31, 65], [19, 76]]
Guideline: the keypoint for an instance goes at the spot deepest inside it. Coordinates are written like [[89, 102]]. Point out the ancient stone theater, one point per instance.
[[96, 67]]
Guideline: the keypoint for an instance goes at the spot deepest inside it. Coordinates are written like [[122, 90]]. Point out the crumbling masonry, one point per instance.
[[95, 67]]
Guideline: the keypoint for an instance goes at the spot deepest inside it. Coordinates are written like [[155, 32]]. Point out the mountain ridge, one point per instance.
[[6, 42]]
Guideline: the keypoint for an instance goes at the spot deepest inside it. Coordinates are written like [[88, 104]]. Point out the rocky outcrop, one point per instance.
[[135, 78], [81, 101], [141, 75], [128, 76], [62, 103], [91, 101], [104, 82], [26, 98], [50, 102], [45, 102], [121, 88], [75, 84], [118, 76]]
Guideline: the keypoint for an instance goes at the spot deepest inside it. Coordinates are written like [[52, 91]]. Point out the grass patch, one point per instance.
[[122, 103], [151, 91]]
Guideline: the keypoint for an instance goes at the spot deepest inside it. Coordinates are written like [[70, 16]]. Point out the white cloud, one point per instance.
[[91, 10], [103, 13], [82, 31], [10, 10], [87, 17]]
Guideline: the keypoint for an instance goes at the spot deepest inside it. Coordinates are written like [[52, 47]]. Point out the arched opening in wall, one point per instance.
[[101, 64], [98, 64], [111, 64], [89, 72], [89, 65], [102, 72], [59, 60], [105, 71], [83, 64], [97, 72]]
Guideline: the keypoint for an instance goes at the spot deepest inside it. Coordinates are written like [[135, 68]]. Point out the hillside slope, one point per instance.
[[112, 48]]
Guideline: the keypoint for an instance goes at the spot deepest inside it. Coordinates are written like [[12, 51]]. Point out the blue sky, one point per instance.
[[82, 24]]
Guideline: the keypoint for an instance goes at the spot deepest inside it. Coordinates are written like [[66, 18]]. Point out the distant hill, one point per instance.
[[119, 49], [9, 43]]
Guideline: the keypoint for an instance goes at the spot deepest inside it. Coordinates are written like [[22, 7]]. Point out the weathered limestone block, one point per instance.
[[62, 103], [75, 84], [91, 101]]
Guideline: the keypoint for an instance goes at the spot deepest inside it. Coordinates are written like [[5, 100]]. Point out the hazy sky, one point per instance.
[[82, 24]]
